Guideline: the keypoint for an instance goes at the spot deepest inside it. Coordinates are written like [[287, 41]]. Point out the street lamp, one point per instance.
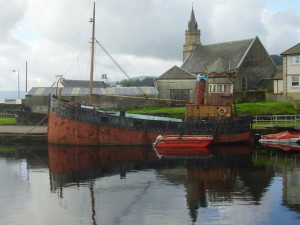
[[18, 82]]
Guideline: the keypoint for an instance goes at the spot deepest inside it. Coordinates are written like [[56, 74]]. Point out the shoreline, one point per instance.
[[22, 134], [38, 134]]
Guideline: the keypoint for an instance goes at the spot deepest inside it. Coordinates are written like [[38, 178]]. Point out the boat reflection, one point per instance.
[[216, 175], [169, 152], [200, 152], [75, 164], [284, 147], [211, 174]]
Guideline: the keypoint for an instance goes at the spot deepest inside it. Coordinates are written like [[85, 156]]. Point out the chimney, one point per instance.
[[200, 89], [104, 78], [58, 79]]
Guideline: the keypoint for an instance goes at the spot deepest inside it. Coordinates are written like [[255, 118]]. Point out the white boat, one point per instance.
[[286, 137]]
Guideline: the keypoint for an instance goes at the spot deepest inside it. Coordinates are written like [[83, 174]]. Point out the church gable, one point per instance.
[[176, 73], [205, 56]]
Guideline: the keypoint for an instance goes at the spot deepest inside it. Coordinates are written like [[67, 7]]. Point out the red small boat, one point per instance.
[[285, 137], [183, 141]]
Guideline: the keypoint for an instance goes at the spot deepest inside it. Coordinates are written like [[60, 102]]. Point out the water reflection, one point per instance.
[[72, 165], [284, 147], [213, 176], [126, 185]]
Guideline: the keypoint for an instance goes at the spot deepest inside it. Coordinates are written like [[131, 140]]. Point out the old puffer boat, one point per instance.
[[76, 124]]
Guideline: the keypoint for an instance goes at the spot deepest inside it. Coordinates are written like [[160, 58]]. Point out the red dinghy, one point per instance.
[[183, 141]]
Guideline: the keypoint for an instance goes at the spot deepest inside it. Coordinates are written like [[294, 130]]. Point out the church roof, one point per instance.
[[222, 56], [219, 66], [176, 73], [292, 50]]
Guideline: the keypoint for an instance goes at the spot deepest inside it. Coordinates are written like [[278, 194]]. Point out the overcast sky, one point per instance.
[[144, 36]]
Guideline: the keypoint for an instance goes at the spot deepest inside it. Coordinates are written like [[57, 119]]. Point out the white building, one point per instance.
[[291, 72]]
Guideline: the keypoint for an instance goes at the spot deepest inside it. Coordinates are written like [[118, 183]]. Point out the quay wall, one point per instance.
[[39, 104]]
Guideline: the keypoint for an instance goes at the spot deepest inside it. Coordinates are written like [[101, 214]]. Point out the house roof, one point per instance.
[[278, 76], [83, 83], [292, 50], [77, 91], [214, 56], [66, 91], [176, 73]]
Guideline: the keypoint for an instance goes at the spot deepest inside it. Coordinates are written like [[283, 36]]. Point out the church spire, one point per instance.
[[193, 23], [192, 37]]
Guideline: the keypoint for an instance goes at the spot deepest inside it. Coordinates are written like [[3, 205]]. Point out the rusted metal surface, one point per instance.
[[218, 99], [200, 91], [200, 112]]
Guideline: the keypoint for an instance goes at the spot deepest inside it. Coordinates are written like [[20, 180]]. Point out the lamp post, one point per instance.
[[18, 82]]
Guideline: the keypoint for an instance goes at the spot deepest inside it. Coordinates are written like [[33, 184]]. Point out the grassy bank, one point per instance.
[[257, 108], [7, 121], [265, 108], [175, 112], [7, 149]]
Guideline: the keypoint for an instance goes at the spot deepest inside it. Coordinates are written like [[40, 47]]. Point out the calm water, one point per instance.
[[132, 185]]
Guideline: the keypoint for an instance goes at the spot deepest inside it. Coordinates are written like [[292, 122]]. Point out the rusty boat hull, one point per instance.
[[72, 124]]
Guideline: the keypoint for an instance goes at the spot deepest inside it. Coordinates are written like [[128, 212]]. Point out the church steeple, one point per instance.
[[192, 36], [193, 23]]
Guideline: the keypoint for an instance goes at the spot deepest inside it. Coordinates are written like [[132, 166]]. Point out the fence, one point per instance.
[[275, 119], [7, 115], [9, 110], [283, 98]]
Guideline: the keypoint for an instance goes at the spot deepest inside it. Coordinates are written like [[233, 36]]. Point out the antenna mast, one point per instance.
[[92, 58]]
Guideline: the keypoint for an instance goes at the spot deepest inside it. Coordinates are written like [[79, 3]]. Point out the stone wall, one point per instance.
[[30, 118], [39, 104], [257, 65]]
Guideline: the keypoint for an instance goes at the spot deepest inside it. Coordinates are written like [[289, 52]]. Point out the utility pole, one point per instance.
[[26, 76]]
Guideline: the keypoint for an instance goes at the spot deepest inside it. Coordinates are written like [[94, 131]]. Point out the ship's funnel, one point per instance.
[[200, 89]]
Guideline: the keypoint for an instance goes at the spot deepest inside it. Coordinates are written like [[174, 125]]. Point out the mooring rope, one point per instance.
[[27, 131]]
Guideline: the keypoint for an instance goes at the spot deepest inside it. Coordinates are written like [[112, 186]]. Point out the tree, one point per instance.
[[126, 83]]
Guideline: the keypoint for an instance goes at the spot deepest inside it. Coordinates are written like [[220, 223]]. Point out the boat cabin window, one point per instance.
[[220, 88]]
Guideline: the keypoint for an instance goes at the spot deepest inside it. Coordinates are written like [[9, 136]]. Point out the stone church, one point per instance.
[[230, 66]]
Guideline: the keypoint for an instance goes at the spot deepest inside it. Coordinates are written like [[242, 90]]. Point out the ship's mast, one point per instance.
[[92, 58]]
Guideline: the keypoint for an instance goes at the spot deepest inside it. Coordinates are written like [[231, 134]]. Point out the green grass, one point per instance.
[[175, 112], [7, 121], [265, 108], [7, 149], [257, 108]]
